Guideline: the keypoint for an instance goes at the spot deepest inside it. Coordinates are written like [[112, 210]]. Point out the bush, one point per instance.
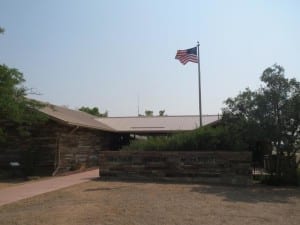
[[206, 138], [282, 169]]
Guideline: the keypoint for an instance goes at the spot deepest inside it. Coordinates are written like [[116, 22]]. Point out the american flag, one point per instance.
[[187, 55]]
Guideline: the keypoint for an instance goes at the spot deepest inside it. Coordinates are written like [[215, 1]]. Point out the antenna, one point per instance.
[[138, 104]]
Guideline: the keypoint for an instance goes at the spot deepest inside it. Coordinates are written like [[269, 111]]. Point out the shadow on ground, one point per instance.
[[105, 189], [252, 194]]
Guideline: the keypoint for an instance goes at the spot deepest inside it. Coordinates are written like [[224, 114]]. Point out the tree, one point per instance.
[[16, 111], [148, 113], [93, 111], [269, 115], [161, 112], [1, 30]]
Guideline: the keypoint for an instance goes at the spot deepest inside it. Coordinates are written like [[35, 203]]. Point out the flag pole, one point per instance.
[[199, 83]]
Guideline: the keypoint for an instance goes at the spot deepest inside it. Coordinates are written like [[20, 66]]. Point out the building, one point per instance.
[[71, 139]]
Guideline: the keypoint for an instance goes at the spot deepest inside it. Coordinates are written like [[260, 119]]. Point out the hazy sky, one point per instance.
[[110, 53]]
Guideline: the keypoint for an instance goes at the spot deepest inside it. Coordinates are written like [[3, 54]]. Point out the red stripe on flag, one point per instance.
[[184, 57]]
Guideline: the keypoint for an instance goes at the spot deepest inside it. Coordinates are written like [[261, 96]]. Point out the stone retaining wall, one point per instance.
[[218, 167]]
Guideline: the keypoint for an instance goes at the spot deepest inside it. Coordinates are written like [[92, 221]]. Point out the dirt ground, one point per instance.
[[108, 202]]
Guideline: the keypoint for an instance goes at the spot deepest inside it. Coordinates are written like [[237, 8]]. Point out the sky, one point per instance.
[[119, 55]]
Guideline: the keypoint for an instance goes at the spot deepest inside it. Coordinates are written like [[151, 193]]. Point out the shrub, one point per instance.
[[206, 138]]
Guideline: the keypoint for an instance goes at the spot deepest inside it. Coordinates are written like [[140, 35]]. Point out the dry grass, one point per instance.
[[100, 202], [10, 183], [5, 183]]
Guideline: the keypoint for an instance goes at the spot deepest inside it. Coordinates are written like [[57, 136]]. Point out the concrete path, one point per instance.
[[27, 190]]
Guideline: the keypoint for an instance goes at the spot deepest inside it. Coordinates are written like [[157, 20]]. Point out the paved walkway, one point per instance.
[[27, 190]]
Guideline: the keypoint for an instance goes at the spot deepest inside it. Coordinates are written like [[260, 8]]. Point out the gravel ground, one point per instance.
[[107, 202]]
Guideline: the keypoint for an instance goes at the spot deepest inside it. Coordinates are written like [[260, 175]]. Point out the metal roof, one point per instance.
[[141, 124], [158, 124], [74, 117]]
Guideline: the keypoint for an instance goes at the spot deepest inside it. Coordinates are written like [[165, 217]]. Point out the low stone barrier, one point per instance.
[[218, 167]]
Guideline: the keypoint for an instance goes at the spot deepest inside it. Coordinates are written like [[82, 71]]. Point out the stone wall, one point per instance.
[[55, 146], [80, 149], [35, 151], [207, 167]]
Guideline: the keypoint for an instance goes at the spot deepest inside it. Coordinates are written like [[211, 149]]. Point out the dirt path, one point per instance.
[[27, 190]]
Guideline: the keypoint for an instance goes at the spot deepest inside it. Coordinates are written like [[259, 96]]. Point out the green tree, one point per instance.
[[161, 112], [93, 111], [148, 113], [16, 111], [269, 115]]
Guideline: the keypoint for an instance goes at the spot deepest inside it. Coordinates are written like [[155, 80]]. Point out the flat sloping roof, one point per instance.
[[137, 125], [74, 117], [157, 124]]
